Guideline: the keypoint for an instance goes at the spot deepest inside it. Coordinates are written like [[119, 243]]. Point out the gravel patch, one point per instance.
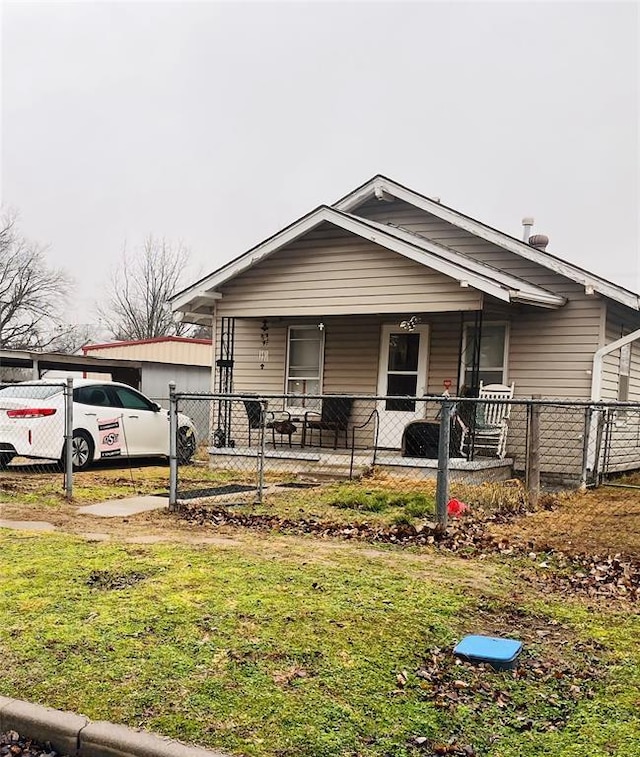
[[15, 745]]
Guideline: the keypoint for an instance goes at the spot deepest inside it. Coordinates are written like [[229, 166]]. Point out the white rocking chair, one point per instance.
[[488, 435]]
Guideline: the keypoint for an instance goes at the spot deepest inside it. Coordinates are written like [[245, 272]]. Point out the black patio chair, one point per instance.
[[334, 416], [256, 417]]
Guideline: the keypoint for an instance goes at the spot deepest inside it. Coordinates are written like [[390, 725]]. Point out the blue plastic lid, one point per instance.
[[488, 648]]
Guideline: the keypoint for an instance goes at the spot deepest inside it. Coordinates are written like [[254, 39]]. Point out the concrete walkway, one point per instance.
[[27, 525], [114, 508], [122, 508]]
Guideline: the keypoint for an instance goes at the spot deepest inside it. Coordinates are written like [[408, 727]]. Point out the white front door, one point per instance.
[[402, 374]]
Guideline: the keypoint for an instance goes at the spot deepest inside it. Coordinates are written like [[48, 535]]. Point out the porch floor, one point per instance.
[[336, 463]]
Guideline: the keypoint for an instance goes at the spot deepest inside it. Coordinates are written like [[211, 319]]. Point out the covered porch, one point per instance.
[[390, 365]]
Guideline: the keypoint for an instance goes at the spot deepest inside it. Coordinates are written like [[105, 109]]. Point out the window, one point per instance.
[[93, 394], [493, 354], [624, 370], [33, 392], [304, 365], [131, 400]]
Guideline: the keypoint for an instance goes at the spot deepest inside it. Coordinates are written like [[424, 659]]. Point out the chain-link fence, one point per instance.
[[245, 447], [255, 443], [36, 431]]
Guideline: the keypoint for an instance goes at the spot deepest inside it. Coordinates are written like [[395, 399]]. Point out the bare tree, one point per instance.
[[70, 338], [137, 301], [32, 295]]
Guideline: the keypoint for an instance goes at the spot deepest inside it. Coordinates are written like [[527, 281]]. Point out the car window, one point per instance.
[[92, 395], [30, 391], [131, 400]]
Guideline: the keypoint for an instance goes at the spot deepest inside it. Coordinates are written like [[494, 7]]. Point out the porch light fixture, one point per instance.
[[411, 324], [321, 326]]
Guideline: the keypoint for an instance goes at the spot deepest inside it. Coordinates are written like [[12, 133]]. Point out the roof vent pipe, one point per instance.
[[527, 223], [539, 241]]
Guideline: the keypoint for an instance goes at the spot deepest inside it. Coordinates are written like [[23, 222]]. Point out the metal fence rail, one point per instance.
[[255, 442]]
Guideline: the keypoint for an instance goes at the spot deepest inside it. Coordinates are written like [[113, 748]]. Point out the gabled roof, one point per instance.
[[380, 186], [451, 263]]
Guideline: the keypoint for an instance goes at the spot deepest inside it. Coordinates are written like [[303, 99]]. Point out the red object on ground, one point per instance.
[[455, 508]]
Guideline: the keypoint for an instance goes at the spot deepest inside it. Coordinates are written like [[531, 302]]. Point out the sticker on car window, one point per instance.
[[109, 434]]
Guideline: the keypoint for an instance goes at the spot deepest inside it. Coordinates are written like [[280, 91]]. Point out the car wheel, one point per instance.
[[81, 450], [5, 459], [186, 447]]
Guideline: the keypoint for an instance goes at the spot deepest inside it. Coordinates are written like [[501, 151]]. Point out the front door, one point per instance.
[[402, 374]]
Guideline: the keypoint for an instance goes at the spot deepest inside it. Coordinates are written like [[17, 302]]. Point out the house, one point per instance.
[[389, 292]]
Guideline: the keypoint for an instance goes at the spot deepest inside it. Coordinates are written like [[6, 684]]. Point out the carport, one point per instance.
[[126, 371]]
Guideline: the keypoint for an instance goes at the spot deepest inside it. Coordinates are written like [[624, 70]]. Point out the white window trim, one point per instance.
[[309, 327], [505, 357]]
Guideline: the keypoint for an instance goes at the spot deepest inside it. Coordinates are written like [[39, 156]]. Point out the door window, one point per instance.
[[402, 373]]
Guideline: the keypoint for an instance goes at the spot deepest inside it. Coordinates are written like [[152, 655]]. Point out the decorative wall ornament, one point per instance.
[[263, 354]]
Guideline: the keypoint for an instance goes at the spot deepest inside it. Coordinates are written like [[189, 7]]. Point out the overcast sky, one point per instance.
[[219, 123]]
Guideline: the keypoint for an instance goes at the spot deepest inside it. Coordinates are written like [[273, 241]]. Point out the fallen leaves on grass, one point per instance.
[[469, 536], [539, 695]]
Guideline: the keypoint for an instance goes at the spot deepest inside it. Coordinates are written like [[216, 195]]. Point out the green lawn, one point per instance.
[[278, 647]]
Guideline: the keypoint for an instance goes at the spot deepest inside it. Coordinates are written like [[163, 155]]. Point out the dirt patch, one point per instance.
[[110, 581], [603, 521]]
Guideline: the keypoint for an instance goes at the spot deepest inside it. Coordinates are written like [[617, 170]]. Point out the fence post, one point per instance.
[[588, 416], [68, 439], [261, 453], [533, 453], [173, 447], [442, 483]]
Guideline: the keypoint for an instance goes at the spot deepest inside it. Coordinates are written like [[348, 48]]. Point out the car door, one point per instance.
[[90, 405], [146, 428]]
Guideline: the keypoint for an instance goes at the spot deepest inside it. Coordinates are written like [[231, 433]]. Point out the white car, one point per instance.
[[109, 420]]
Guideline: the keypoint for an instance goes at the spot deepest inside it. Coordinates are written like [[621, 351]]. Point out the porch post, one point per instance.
[[213, 349]]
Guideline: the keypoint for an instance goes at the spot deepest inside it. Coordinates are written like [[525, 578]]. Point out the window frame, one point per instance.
[[505, 355], [304, 406]]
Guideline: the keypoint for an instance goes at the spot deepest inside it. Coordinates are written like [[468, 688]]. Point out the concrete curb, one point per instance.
[[77, 736]]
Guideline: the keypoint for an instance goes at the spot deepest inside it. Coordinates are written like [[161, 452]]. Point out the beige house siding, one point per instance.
[[181, 353], [550, 351], [351, 352], [620, 322], [331, 272]]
